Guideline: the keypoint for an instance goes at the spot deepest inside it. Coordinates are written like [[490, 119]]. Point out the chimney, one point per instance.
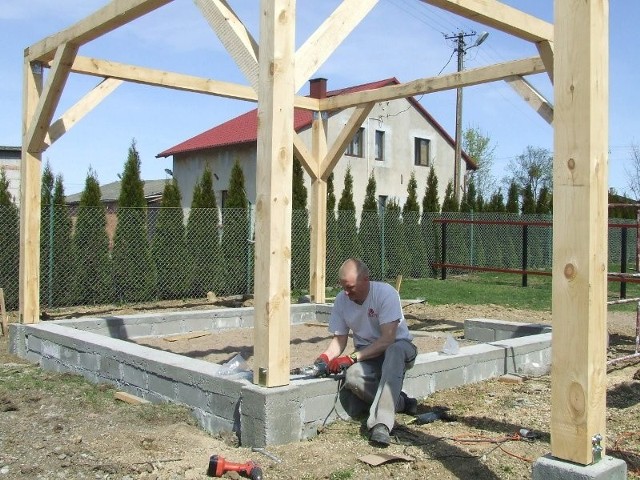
[[318, 88]]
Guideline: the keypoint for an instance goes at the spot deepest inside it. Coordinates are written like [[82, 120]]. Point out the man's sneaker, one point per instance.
[[380, 435], [410, 404]]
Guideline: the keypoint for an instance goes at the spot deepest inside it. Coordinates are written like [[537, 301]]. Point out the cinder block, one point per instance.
[[449, 378], [163, 386], [551, 468], [478, 334]]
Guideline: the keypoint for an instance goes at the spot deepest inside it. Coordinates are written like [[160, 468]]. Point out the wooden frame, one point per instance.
[[275, 71]]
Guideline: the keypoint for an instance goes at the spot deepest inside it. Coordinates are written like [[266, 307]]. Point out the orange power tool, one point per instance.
[[218, 466]]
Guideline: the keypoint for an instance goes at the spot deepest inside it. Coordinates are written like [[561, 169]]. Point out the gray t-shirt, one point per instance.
[[381, 306]]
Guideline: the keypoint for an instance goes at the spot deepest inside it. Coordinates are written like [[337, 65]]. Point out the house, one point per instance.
[[397, 139], [10, 163], [109, 196]]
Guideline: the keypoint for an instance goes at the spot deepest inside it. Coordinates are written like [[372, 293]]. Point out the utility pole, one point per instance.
[[461, 50]]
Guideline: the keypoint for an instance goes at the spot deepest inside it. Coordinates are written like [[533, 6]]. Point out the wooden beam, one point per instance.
[[113, 15], [4, 320], [30, 178], [545, 49], [174, 81], [234, 36], [50, 97], [306, 158], [579, 310], [500, 16], [80, 109], [451, 81], [318, 216], [315, 51], [345, 136], [273, 199], [532, 97]]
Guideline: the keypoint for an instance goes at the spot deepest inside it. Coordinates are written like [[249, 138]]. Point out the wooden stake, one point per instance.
[[398, 282], [3, 314]]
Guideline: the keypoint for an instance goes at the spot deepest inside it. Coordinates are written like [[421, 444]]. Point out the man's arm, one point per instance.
[[377, 348], [336, 346]]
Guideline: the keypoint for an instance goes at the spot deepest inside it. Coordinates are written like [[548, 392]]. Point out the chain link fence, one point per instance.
[[91, 256]]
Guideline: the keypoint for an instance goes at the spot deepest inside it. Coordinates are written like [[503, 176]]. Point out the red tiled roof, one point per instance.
[[244, 128]]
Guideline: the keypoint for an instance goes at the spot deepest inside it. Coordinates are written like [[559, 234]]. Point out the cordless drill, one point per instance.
[[218, 466]]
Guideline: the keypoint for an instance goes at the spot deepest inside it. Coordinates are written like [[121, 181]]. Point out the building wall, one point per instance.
[[10, 162], [401, 124]]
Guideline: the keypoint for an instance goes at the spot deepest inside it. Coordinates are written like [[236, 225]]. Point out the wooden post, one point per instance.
[[29, 276], [578, 375], [318, 247], [273, 200]]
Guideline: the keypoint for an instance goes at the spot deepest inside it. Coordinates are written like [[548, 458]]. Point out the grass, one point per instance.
[[494, 288]]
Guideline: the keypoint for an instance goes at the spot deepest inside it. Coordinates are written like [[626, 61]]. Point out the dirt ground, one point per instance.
[[56, 426]]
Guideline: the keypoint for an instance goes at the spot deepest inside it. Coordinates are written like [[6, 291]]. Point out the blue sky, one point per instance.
[[401, 38]]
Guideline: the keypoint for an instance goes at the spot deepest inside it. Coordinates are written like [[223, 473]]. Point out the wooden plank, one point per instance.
[[545, 49], [398, 283], [234, 36], [303, 154], [113, 15], [129, 398], [186, 336], [317, 48], [80, 109], [318, 216], [500, 16], [273, 200], [175, 81], [579, 285], [358, 116], [30, 178], [3, 314], [50, 97], [473, 76], [532, 97]]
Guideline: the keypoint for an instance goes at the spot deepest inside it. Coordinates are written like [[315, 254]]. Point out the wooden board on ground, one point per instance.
[[186, 336], [3, 314], [128, 398]]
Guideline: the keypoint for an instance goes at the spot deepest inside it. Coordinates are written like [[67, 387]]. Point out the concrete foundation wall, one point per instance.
[[260, 416]]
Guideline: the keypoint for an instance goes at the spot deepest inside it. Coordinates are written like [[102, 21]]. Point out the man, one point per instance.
[[383, 347]]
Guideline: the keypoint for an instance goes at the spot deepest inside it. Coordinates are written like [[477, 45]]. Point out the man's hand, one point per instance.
[[340, 363]]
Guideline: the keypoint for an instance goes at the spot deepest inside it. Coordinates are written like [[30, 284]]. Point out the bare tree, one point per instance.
[[478, 147], [632, 169], [534, 167]]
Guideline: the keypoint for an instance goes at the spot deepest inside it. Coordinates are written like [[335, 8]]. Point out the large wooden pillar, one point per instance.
[[273, 199], [30, 166], [578, 378], [318, 219]]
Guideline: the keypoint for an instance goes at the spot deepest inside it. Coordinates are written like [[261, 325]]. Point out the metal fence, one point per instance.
[[89, 256]]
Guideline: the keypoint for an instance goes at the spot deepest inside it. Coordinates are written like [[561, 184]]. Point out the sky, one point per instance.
[[405, 39]]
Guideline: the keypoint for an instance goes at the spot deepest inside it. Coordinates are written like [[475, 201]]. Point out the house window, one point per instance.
[[355, 147], [379, 145], [382, 202], [422, 152]]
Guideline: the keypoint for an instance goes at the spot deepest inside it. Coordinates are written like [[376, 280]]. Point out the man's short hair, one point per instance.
[[362, 271]]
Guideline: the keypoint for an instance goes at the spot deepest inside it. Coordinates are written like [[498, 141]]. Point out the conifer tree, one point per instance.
[[469, 200], [300, 233], [449, 203], [347, 229], [512, 198], [46, 233], [396, 251], [431, 211], [134, 271], [369, 232], [93, 279], [236, 244], [62, 258], [415, 241], [528, 202], [496, 203], [430, 201], [169, 246], [543, 204], [9, 244], [203, 239], [334, 252]]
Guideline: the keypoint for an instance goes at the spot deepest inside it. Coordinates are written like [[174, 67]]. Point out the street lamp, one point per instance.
[[461, 48]]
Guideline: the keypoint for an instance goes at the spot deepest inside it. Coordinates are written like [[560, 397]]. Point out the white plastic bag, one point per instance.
[[451, 346], [236, 365]]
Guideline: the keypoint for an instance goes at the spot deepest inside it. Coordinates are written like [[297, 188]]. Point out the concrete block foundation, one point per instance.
[[96, 349], [550, 468]]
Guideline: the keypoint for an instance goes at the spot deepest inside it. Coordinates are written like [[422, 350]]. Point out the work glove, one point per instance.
[[340, 363], [322, 359]]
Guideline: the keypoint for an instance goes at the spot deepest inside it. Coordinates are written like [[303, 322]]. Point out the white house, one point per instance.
[[399, 137]]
